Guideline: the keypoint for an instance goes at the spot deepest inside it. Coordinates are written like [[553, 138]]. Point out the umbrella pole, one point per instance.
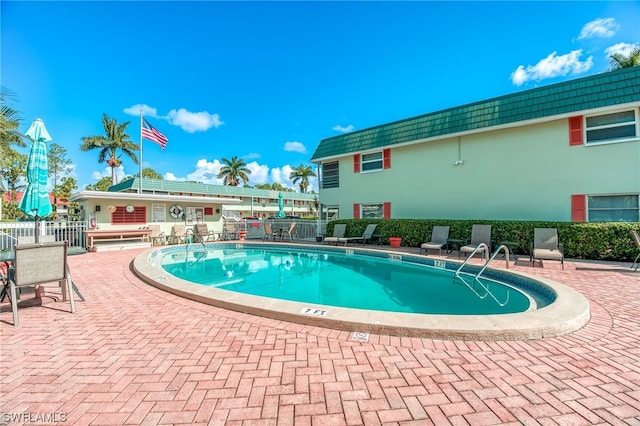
[[37, 231]]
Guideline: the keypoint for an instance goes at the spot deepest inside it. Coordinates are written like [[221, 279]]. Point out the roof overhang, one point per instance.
[[186, 199]]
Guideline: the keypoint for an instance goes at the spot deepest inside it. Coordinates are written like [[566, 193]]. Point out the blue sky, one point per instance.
[[266, 81]]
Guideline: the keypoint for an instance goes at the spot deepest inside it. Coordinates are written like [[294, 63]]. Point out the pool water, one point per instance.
[[343, 279]]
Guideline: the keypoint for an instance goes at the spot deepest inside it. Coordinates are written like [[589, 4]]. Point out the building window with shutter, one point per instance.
[[613, 208], [330, 175]]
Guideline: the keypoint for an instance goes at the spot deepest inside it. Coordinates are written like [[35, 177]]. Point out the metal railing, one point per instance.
[[476, 277]]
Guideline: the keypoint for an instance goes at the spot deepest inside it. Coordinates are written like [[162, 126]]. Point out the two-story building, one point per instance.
[[564, 152]]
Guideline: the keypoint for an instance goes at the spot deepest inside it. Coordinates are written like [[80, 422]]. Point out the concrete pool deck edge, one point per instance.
[[568, 313]]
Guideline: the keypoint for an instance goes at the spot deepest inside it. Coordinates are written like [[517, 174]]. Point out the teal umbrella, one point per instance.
[[35, 201], [280, 206]]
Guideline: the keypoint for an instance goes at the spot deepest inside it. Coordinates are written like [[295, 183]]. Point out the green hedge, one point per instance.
[[596, 241]]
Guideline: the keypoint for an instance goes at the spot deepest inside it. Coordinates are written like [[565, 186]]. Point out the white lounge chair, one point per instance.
[[366, 236], [338, 232], [546, 246], [439, 237]]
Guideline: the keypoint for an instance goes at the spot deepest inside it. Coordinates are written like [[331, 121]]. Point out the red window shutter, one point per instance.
[[386, 158], [356, 211], [575, 131], [386, 210], [356, 163], [578, 208], [208, 211]]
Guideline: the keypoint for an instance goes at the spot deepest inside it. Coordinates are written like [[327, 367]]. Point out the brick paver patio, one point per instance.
[[133, 354]]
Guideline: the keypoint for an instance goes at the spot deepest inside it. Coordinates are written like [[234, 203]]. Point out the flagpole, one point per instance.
[[140, 186]]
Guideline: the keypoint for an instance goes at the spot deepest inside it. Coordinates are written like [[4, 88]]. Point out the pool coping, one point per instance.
[[569, 312]]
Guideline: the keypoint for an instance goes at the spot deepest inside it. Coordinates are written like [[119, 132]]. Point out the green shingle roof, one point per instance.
[[596, 91], [175, 187]]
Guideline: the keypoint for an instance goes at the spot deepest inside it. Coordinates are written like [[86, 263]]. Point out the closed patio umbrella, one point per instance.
[[35, 202], [280, 206]]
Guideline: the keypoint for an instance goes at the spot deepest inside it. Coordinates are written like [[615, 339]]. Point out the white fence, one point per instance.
[[73, 232]]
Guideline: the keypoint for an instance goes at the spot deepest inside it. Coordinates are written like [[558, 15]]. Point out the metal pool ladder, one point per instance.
[[477, 276]]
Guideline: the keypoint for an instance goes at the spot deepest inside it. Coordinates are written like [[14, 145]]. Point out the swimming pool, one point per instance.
[[346, 279], [542, 308]]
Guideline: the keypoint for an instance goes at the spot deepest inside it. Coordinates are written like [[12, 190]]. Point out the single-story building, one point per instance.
[[167, 203], [564, 152]]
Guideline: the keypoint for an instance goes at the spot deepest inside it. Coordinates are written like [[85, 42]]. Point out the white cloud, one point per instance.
[[194, 121], [295, 147], [601, 27], [147, 111], [624, 49], [206, 172], [552, 66], [252, 156], [259, 173], [189, 121], [281, 175], [120, 174], [339, 128]]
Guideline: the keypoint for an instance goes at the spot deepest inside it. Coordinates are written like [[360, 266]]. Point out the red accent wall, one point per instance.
[[578, 208], [356, 163], [575, 131]]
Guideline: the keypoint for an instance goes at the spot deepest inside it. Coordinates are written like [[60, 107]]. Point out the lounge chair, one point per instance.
[[636, 237], [480, 234], [366, 236], [230, 231], [338, 232], [545, 246], [37, 264], [289, 232], [439, 237]]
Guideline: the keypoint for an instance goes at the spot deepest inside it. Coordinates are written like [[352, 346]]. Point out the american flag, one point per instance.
[[151, 133]]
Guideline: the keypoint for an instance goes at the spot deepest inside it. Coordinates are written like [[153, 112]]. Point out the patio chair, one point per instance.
[[439, 237], [202, 233], [366, 236], [178, 234], [636, 237], [230, 231], [293, 229], [157, 237], [480, 234], [38, 264], [268, 232], [338, 232], [546, 246]]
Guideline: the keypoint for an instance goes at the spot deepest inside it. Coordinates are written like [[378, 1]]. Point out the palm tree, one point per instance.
[[302, 174], [234, 171], [9, 122], [115, 140], [618, 60]]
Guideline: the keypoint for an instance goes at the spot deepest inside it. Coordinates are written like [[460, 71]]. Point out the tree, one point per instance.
[[9, 123], [13, 166], [302, 174], [618, 60], [149, 173], [58, 164], [234, 171], [63, 191], [102, 185], [112, 146]]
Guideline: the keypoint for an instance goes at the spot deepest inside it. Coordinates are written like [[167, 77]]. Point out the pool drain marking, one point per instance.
[[395, 257], [360, 337], [315, 312], [349, 252], [440, 264]]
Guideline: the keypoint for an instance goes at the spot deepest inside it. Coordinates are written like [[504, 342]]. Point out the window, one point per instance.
[[122, 216], [330, 175], [614, 127], [613, 208], [371, 162], [372, 211]]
